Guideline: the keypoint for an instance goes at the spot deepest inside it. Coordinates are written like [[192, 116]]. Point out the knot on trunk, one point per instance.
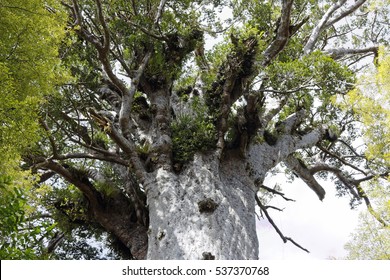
[[207, 256], [207, 205]]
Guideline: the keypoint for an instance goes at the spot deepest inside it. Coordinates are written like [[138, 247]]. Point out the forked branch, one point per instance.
[[282, 236]]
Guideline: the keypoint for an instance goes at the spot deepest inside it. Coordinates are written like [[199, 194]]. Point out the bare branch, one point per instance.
[[341, 52], [284, 238], [350, 148], [127, 146], [350, 184], [275, 192], [80, 28], [340, 159], [274, 208], [353, 184]]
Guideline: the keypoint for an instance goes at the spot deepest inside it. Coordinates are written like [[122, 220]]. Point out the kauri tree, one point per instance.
[[177, 111]]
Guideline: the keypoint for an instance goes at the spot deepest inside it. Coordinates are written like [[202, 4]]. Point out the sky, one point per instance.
[[321, 227]]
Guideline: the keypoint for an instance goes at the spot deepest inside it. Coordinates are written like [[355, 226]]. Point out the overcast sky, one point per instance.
[[321, 227]]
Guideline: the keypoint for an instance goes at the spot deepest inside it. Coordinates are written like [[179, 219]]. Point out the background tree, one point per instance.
[[164, 143], [370, 100], [30, 33], [371, 241]]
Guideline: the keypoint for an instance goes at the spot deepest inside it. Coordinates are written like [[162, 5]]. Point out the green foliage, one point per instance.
[[369, 102], [313, 78], [29, 69], [192, 133], [371, 240], [21, 236]]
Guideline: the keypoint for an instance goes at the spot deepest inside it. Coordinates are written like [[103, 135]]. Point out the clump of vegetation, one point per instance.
[[193, 132]]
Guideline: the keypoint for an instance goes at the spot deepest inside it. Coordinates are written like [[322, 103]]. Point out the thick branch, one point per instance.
[[127, 146], [160, 11], [127, 98], [282, 34], [109, 157], [72, 176], [321, 26], [341, 52], [273, 112], [350, 184], [291, 122], [304, 173], [345, 13], [54, 242], [288, 144]]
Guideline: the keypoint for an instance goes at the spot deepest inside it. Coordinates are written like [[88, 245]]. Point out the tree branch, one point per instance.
[[80, 28], [127, 146], [291, 122], [341, 52], [275, 192], [160, 11], [284, 238], [345, 13], [282, 34], [74, 177], [326, 151], [108, 157], [128, 96], [54, 242], [352, 184], [106, 38], [51, 139], [300, 169], [321, 26]]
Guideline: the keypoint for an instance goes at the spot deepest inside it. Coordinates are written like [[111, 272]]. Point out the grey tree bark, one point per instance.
[[205, 212]]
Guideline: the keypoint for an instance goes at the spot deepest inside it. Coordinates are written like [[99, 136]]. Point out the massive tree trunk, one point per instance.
[[205, 212]]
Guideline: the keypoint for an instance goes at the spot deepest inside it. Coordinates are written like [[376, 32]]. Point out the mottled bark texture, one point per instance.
[[206, 210]]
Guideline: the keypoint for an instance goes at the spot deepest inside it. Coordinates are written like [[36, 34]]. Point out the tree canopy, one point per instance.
[[370, 101], [115, 109]]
